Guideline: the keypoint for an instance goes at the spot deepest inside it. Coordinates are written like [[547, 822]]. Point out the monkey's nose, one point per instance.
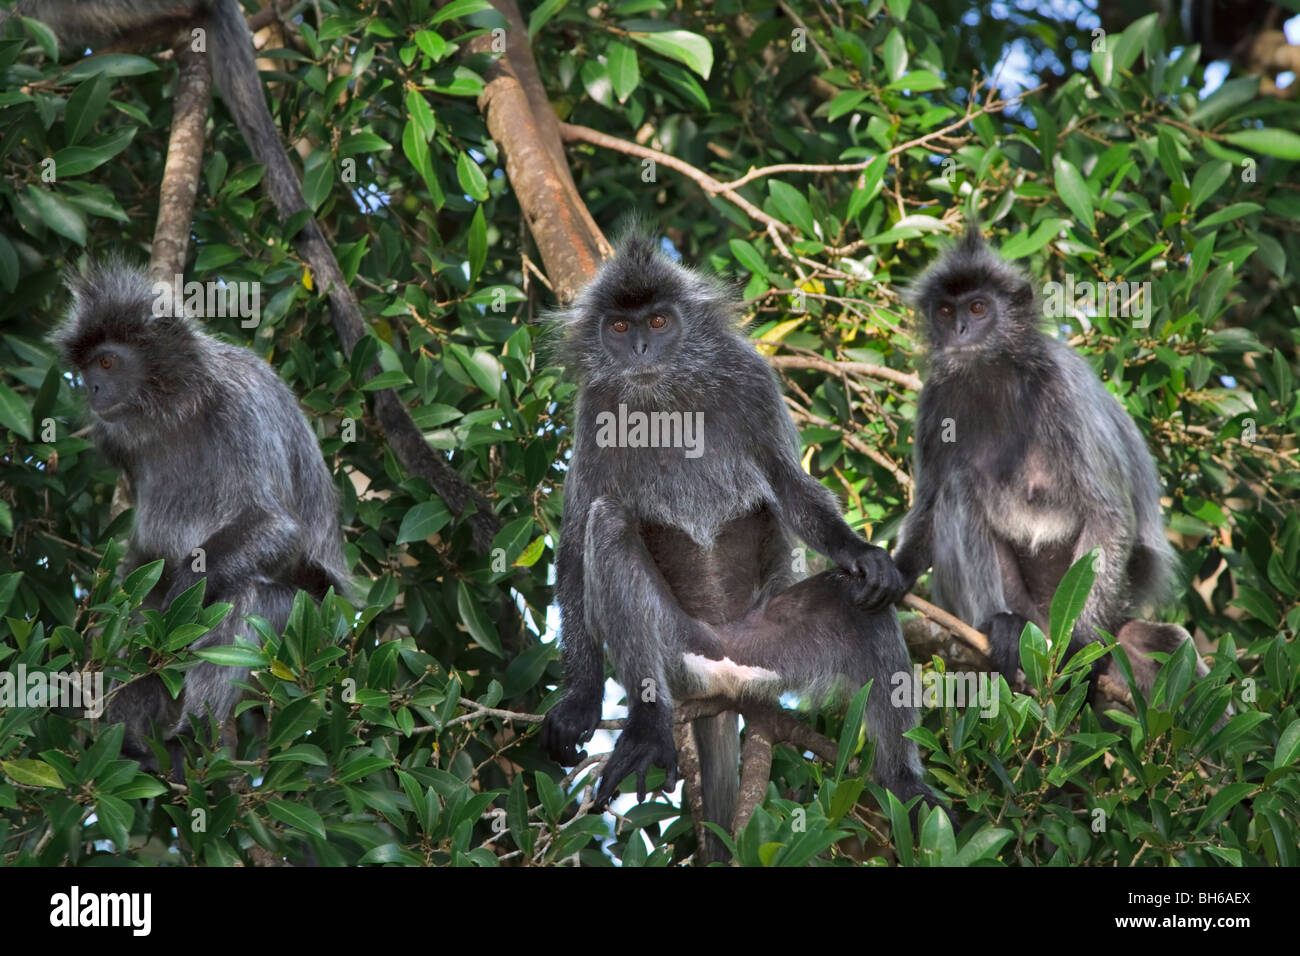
[[961, 328], [642, 347]]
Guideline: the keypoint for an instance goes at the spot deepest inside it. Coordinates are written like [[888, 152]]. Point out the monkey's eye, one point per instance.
[[945, 311], [977, 307], [657, 321], [105, 362], [619, 325]]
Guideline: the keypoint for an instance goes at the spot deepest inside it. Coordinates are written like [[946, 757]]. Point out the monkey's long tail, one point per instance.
[[718, 740], [235, 72]]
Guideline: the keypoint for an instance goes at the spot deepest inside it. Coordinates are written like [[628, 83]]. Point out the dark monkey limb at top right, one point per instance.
[[221, 459], [1024, 463], [679, 559]]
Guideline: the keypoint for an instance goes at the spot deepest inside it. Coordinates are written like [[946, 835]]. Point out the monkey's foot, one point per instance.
[[642, 744]]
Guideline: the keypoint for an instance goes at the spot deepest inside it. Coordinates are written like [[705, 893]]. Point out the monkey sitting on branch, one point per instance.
[[228, 479], [682, 504], [1023, 464]]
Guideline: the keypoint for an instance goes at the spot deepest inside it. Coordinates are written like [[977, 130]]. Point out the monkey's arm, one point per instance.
[[571, 722], [810, 511], [915, 552], [258, 542]]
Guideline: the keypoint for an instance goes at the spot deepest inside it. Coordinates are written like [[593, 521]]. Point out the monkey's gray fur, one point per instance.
[[82, 24], [219, 457], [683, 566], [1043, 464]]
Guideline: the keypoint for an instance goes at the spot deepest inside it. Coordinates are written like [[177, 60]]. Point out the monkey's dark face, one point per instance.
[[114, 374], [642, 342], [964, 322]]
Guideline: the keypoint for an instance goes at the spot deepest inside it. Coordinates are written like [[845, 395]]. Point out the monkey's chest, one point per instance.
[[697, 496]]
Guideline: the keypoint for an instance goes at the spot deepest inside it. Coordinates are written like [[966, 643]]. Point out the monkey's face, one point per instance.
[[640, 343], [113, 373], [963, 323]]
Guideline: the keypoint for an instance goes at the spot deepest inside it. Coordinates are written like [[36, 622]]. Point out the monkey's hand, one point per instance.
[[1004, 631], [881, 582], [646, 741], [569, 724]]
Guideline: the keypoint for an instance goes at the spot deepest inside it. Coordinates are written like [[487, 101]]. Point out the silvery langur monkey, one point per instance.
[[219, 457], [94, 24], [1024, 463], [679, 558]]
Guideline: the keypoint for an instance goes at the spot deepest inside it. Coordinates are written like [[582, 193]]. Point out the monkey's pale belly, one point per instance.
[[1031, 527]]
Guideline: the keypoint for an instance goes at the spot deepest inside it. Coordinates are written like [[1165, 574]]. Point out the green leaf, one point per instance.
[[233, 656], [476, 622], [457, 9], [624, 71], [791, 207], [844, 102], [1288, 745], [383, 380], [1073, 190], [748, 257], [115, 817], [14, 412], [471, 178], [85, 106], [1223, 801], [32, 773], [416, 148], [417, 108], [293, 720], [538, 18], [918, 81], [852, 729], [61, 216], [1281, 143], [685, 47], [299, 816], [1229, 213], [895, 54], [477, 244], [1071, 595], [1207, 181], [317, 178], [423, 521]]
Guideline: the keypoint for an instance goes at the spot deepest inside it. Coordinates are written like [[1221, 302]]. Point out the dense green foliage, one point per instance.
[[358, 743]]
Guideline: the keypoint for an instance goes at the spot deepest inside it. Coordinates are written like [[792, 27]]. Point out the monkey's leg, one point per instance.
[[210, 691], [816, 639], [1005, 627], [630, 606], [1142, 638]]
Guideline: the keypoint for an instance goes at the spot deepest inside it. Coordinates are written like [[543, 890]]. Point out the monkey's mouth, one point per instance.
[[643, 374]]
